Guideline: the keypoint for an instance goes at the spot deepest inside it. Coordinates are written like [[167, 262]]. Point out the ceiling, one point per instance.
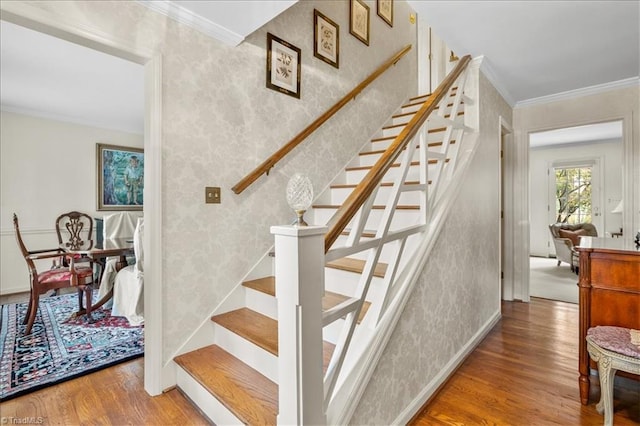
[[49, 77], [532, 50]]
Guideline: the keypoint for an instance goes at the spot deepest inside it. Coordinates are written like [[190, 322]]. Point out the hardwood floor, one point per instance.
[[113, 396], [523, 373]]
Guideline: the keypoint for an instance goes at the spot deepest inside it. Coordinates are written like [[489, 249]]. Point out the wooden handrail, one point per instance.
[[365, 188], [280, 153]]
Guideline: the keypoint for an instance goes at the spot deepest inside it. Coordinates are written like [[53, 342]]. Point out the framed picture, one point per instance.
[[385, 11], [120, 177], [283, 66], [359, 20], [326, 39]]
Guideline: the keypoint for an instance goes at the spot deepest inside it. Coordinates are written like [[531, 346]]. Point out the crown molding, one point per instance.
[[577, 93], [488, 71], [178, 13]]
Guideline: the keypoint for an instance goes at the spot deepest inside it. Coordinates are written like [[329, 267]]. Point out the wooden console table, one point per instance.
[[609, 292]]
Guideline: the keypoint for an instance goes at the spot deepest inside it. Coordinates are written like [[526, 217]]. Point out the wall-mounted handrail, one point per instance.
[[284, 150], [369, 183]]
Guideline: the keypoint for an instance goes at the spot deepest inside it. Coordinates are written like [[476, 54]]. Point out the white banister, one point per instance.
[[299, 268]]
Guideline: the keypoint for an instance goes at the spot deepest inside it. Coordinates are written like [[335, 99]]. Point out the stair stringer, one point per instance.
[[351, 386], [204, 334]]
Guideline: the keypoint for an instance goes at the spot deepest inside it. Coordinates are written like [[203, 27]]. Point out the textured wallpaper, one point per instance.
[[220, 121], [458, 290]]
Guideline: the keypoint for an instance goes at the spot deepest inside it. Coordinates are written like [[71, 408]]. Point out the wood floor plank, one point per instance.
[[118, 397]]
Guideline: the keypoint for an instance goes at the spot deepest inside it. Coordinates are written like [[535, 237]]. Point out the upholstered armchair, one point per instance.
[[566, 237]]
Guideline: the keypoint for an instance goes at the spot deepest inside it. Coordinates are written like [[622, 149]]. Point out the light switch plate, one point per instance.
[[212, 195]]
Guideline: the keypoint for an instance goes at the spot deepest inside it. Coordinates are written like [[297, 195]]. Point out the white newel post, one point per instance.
[[299, 272]]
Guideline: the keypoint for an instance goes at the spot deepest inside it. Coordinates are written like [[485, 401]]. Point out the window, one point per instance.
[[573, 195]]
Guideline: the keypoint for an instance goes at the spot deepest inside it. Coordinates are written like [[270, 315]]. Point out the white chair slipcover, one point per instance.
[[128, 292], [115, 225], [119, 225]]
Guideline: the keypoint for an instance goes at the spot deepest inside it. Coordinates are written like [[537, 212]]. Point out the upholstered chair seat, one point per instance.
[[613, 348], [64, 274]]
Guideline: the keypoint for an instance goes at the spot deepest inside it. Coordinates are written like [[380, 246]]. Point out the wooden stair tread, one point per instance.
[[392, 126], [353, 185], [255, 327], [376, 207], [387, 138], [245, 392], [259, 329], [381, 151], [357, 265], [453, 90], [413, 163], [333, 299], [404, 114], [366, 234], [267, 285]]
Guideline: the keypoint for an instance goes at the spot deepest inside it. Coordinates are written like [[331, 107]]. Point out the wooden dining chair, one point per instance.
[[59, 276], [75, 231]]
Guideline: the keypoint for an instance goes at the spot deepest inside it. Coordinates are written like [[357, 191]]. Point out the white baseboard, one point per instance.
[[432, 387]]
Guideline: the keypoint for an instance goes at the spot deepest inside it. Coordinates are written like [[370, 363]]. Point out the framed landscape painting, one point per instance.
[[120, 177]]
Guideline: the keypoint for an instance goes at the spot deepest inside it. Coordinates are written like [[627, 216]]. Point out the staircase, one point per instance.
[[234, 380]]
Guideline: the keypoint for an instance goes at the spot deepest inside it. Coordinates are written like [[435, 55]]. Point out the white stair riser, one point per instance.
[[262, 303], [356, 176], [433, 152], [391, 131], [344, 282], [254, 356], [371, 159], [338, 195], [401, 118], [384, 144], [387, 252], [331, 332], [411, 108], [401, 218], [205, 401]]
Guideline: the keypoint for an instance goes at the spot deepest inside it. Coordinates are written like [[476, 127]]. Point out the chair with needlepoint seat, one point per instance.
[[613, 348], [60, 276]]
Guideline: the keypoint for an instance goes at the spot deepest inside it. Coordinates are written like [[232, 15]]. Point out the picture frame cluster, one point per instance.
[[284, 59]]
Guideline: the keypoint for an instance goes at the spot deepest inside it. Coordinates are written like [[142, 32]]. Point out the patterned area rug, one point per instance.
[[60, 347]]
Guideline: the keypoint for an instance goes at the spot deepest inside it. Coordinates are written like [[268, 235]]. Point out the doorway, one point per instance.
[[574, 194], [575, 177], [76, 32]]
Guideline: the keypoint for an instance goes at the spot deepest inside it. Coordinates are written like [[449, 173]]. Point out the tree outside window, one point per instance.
[[573, 195]]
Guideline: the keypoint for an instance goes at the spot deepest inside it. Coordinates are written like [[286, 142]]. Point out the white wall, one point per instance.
[[47, 168], [610, 155]]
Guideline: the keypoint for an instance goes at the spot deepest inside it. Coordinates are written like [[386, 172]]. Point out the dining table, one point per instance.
[[99, 252]]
